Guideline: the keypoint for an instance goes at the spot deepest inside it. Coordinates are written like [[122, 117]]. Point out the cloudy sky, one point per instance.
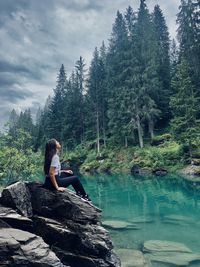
[[37, 36]]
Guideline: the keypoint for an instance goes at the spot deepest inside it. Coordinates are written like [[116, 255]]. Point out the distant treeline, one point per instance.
[[141, 81]]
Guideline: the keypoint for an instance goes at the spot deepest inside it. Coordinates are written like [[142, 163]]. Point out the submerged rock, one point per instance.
[[175, 258], [169, 253], [63, 221], [116, 225], [178, 219], [160, 171], [140, 171], [166, 246], [141, 220], [132, 258]]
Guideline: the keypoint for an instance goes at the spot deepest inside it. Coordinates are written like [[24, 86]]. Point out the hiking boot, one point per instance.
[[78, 194], [86, 197]]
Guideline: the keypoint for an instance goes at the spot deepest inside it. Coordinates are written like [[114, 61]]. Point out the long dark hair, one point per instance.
[[50, 151]]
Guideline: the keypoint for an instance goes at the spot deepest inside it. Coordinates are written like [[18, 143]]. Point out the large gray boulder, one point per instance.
[[17, 196], [62, 205], [15, 220], [63, 221], [20, 248], [91, 241]]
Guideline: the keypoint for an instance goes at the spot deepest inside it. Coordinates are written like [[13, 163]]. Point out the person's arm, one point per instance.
[[67, 171], [53, 180]]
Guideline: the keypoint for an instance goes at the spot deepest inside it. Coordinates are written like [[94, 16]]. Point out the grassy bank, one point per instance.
[[163, 154]]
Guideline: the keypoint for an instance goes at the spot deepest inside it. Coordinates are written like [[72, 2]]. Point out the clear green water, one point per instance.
[[126, 198]]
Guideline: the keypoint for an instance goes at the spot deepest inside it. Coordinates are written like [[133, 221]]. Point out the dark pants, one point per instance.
[[65, 182]]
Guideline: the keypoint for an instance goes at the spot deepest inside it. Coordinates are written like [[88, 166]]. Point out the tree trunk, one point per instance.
[[103, 126], [126, 141], [97, 125], [104, 136], [140, 132], [82, 122], [190, 151], [151, 128], [104, 130]]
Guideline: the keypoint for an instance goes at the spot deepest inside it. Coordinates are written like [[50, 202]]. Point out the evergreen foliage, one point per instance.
[[163, 70], [56, 107], [184, 104], [188, 20], [96, 96], [139, 83], [117, 68]]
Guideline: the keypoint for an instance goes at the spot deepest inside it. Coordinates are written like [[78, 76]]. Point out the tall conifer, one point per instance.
[[163, 62], [56, 107], [184, 105]]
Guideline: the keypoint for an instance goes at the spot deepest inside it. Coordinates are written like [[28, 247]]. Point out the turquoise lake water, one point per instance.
[[165, 208]]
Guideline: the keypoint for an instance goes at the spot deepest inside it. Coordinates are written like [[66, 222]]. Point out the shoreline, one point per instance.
[[190, 171]]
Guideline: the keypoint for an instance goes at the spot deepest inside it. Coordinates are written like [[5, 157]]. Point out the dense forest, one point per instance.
[[140, 89]]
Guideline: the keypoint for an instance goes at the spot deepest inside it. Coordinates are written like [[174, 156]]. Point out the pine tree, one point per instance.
[[174, 54], [189, 37], [130, 19], [103, 63], [128, 88], [74, 121], [96, 95], [144, 84], [80, 73], [71, 122], [103, 53], [13, 122], [25, 121], [117, 63], [56, 107], [39, 129], [163, 46], [184, 105], [42, 124]]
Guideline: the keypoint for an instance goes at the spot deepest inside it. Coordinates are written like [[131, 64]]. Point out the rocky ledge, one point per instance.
[[191, 171], [43, 228]]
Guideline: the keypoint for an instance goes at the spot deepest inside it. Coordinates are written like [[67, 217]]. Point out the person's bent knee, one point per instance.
[[75, 178]]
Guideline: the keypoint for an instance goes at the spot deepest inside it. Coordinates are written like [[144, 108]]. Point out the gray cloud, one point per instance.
[[5, 66], [80, 6], [9, 6], [38, 36], [14, 94]]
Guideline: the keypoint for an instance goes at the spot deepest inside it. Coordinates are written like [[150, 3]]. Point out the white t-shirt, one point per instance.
[[55, 162]]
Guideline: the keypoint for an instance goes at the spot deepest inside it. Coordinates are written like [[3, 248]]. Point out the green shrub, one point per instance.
[[160, 139], [17, 159], [17, 165]]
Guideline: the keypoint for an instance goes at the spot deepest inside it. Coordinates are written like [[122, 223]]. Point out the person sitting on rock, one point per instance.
[[52, 169]]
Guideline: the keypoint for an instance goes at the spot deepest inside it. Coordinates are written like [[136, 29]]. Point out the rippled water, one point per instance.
[[164, 208]]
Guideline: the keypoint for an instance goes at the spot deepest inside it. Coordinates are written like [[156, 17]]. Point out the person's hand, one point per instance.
[[69, 171], [61, 189]]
